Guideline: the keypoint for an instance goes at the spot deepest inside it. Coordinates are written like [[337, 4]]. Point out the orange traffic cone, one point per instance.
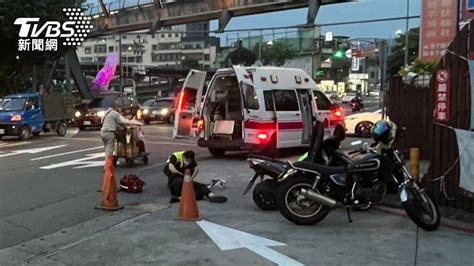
[[188, 210], [109, 200]]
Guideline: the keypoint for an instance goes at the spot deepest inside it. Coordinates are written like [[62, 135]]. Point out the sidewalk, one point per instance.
[[149, 234]]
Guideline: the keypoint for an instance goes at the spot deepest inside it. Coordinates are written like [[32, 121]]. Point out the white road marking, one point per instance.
[[32, 151], [71, 132], [79, 163], [7, 144], [65, 153], [227, 239]]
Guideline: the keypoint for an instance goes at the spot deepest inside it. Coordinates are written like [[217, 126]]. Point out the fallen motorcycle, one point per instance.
[[309, 191], [269, 170]]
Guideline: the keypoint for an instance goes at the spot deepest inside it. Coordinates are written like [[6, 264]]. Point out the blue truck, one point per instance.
[[27, 114]]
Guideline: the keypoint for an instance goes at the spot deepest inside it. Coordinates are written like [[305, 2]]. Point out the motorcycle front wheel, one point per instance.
[[296, 207], [421, 209]]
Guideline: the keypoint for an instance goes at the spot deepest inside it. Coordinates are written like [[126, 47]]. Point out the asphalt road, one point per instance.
[[48, 192], [148, 234], [48, 183]]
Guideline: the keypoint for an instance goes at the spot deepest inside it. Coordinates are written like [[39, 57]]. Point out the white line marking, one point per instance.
[[71, 132], [6, 144], [227, 239], [65, 153], [32, 151], [79, 163]]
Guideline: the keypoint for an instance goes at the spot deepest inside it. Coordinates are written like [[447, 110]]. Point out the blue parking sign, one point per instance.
[[470, 5]]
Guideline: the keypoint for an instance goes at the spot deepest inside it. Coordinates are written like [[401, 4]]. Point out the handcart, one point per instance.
[[129, 146]]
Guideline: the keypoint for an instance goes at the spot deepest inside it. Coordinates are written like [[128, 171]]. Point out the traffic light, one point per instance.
[[339, 55]]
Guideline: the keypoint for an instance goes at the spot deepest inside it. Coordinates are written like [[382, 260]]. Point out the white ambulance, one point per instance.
[[249, 108]]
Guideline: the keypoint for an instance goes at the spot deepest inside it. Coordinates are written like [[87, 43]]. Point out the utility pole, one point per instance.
[[121, 65], [384, 77], [406, 35]]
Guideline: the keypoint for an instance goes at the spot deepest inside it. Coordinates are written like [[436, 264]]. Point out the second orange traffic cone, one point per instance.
[[188, 210], [109, 200]]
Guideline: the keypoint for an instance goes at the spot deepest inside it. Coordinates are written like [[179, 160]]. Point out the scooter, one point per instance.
[[356, 105]]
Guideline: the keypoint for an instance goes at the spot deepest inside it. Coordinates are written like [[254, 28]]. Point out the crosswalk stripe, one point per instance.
[[65, 153]]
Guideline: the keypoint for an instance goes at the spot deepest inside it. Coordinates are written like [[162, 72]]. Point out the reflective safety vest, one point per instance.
[[179, 156], [303, 157]]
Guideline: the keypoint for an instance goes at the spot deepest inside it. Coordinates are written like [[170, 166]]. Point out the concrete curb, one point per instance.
[[46, 246]]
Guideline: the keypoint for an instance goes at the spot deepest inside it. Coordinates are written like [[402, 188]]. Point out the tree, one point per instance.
[[275, 54], [419, 67], [241, 55], [189, 63], [397, 57], [16, 67]]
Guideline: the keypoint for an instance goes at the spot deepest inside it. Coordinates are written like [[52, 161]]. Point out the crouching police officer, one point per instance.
[[174, 169]]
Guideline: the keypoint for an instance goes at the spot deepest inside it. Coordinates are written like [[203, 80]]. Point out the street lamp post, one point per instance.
[[406, 34], [127, 65]]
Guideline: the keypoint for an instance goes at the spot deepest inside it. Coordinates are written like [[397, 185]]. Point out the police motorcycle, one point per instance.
[[310, 191], [269, 171]]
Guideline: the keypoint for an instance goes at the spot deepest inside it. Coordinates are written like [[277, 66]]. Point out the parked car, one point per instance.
[[91, 115], [361, 124], [348, 96], [159, 109]]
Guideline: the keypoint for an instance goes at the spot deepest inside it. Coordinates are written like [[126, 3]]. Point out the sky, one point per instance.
[[359, 10]]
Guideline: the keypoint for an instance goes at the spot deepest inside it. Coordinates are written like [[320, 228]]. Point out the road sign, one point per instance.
[[328, 36], [442, 94], [349, 53], [355, 64], [227, 239]]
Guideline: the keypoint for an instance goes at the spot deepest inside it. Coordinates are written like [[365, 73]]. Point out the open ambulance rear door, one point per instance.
[[189, 103]]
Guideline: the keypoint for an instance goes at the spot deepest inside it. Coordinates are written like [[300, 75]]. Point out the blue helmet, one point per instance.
[[381, 131]]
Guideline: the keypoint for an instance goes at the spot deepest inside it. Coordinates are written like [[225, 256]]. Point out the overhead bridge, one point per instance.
[[115, 17]]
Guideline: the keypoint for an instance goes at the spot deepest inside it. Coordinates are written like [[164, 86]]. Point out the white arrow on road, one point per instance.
[[83, 162], [32, 151], [227, 238]]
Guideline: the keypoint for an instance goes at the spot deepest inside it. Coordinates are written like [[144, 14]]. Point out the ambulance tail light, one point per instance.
[[262, 136], [336, 112]]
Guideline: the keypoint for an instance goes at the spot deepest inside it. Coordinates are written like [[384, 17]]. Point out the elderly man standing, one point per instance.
[[110, 122]]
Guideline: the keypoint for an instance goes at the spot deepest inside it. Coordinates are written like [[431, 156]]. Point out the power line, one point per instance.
[[327, 24]]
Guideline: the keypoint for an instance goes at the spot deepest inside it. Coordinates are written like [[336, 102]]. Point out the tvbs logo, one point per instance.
[[46, 37]]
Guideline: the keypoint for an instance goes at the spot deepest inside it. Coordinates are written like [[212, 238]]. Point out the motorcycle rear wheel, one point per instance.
[[264, 195], [420, 206], [294, 206]]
